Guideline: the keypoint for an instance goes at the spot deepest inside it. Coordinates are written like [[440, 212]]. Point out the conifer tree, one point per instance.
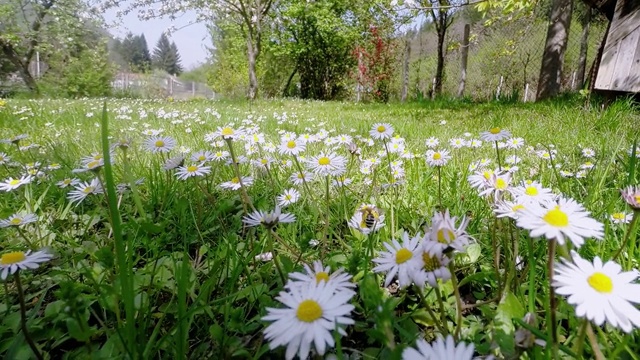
[[166, 56]]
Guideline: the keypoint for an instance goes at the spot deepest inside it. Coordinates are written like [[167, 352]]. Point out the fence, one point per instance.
[[156, 85], [503, 60]]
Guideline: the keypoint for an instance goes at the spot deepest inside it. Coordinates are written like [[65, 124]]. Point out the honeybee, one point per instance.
[[370, 216]]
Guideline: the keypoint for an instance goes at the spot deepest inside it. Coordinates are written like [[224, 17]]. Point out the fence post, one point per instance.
[[526, 93], [499, 88], [573, 81], [465, 57], [193, 89]]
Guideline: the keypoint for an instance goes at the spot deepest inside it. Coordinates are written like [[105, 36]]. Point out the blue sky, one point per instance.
[[192, 40]]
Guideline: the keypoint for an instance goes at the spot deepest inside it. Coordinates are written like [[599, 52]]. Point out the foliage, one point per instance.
[[134, 51], [376, 63], [166, 56]]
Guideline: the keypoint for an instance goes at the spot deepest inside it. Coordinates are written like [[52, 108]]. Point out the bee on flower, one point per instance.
[[367, 219]]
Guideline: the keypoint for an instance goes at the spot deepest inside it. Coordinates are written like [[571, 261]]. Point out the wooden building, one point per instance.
[[619, 68]]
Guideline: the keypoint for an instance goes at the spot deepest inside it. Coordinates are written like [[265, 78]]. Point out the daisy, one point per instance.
[[495, 134], [339, 279], [600, 291], [290, 196], [268, 219], [4, 158], [480, 179], [300, 178], [19, 219], [158, 144], [506, 208], [220, 155], [588, 153], [12, 184], [14, 139], [400, 259], [67, 182], [588, 165], [341, 181], [291, 147], [433, 265], [234, 184], [265, 257], [458, 143], [563, 220], [202, 156], [437, 158], [532, 191], [620, 218], [497, 185], [630, 194], [381, 131], [185, 172], [93, 165], [173, 163], [441, 349], [327, 164], [309, 317], [82, 190], [367, 219], [11, 262], [432, 142], [515, 143], [444, 232], [475, 143], [227, 133]]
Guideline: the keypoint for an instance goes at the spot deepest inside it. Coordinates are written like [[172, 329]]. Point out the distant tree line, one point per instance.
[[133, 53]]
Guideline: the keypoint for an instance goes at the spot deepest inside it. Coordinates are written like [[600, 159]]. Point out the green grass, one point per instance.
[[167, 269]]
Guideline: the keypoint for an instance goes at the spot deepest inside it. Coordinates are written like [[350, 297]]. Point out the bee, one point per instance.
[[353, 149], [370, 216]]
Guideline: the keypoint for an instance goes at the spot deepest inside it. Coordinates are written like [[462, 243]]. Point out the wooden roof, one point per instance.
[[606, 7]]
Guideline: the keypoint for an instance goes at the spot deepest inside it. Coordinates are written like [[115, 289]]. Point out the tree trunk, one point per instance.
[[584, 45], [437, 89], [23, 67], [253, 78], [555, 46], [405, 69], [465, 57]]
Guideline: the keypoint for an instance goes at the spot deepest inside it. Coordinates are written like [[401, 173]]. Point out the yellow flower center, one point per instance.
[[600, 282], [487, 174], [202, 158], [381, 129], [66, 181], [501, 184], [291, 144], [437, 156], [88, 189], [192, 168], [159, 143], [288, 197], [235, 180], [324, 161], [556, 217], [14, 182], [637, 198], [93, 164], [322, 276], [495, 130], [264, 161], [227, 131], [403, 255], [517, 207], [12, 258], [531, 191], [16, 221], [618, 216], [431, 262], [309, 311], [445, 236]]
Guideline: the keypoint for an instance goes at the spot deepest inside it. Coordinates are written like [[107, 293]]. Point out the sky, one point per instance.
[[192, 40]]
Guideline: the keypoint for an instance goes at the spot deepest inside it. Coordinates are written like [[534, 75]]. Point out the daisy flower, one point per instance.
[[495, 134], [185, 172], [202, 156], [310, 315], [327, 164], [432, 142], [158, 144], [480, 179], [532, 191], [339, 279], [367, 219], [12, 184], [497, 185], [433, 265], [226, 132], [220, 155], [437, 158], [173, 163], [441, 349], [300, 178], [563, 220], [381, 131], [599, 291], [82, 190], [234, 184], [444, 232], [268, 219], [475, 143], [67, 182], [630, 194], [291, 147], [19, 219], [290, 196], [620, 218], [588, 153], [402, 260], [515, 143], [268, 256], [508, 208], [14, 139], [4, 158], [458, 143], [11, 262]]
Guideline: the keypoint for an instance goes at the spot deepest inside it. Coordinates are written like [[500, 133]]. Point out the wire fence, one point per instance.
[[503, 61], [157, 85]]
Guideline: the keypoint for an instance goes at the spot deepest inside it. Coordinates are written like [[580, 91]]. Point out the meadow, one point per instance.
[[137, 229]]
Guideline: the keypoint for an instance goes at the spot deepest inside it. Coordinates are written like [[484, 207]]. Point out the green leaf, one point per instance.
[[76, 331], [508, 309]]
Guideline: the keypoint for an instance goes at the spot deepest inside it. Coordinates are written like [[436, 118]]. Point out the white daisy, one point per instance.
[[310, 316], [402, 260], [444, 232], [12, 184], [497, 185], [367, 219], [202, 156], [621, 218], [158, 144], [381, 131], [268, 219], [234, 184], [82, 190], [588, 153], [495, 134], [437, 158], [327, 164], [480, 179], [600, 291], [563, 220], [4, 158], [19, 219], [11, 262], [339, 279], [432, 142], [631, 195], [173, 163], [515, 143], [506, 208], [433, 265], [67, 182], [532, 191], [291, 147], [290, 196], [185, 172], [300, 178], [226, 132], [458, 143], [441, 349]]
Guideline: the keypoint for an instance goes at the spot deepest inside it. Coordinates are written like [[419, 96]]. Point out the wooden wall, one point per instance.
[[620, 65]]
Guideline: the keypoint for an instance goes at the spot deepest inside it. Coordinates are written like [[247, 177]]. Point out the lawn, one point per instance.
[[287, 228]]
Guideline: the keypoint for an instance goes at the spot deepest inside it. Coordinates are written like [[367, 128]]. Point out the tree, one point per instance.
[[166, 57], [134, 51], [555, 45]]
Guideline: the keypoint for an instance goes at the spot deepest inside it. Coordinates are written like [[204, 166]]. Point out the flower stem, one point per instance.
[[498, 156], [581, 333], [23, 318], [243, 191], [628, 236], [275, 258], [423, 299], [597, 353], [440, 190], [532, 276], [443, 314], [551, 326], [456, 292]]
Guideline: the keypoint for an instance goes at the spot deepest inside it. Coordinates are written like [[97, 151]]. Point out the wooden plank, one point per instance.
[[634, 71], [607, 66], [622, 26], [622, 79]]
